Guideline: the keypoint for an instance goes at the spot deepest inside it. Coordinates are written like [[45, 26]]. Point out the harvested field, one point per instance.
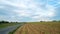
[[39, 28]]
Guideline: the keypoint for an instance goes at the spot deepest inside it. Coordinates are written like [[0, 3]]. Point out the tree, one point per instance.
[[3, 22]]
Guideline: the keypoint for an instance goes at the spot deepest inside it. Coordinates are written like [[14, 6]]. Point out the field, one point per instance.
[[7, 24], [39, 28]]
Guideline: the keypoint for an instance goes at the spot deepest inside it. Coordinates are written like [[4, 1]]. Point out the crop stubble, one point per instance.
[[36, 29]]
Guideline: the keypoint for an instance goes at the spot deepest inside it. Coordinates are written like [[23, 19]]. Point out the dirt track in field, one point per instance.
[[36, 29]]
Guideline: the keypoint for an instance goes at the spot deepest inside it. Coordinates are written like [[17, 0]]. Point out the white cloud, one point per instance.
[[22, 4], [19, 5], [41, 14], [58, 2], [24, 13], [2, 7], [50, 10], [36, 13]]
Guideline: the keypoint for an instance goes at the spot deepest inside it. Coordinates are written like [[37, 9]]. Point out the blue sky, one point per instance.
[[29, 10]]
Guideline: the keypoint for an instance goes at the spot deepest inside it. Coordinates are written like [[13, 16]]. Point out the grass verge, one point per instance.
[[14, 30], [7, 24]]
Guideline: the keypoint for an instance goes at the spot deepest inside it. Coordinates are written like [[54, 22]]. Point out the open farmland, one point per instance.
[[39, 28], [7, 25]]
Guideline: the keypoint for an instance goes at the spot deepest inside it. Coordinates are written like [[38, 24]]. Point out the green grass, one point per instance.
[[7, 24]]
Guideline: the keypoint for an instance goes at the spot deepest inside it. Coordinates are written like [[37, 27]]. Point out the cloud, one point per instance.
[[1, 7], [35, 11], [23, 13], [58, 2], [14, 4], [44, 14]]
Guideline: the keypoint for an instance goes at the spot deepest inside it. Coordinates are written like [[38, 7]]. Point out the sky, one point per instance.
[[29, 10]]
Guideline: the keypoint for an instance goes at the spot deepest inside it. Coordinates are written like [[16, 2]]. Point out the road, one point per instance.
[[9, 29]]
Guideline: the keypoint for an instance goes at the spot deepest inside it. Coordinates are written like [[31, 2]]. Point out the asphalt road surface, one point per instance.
[[9, 29]]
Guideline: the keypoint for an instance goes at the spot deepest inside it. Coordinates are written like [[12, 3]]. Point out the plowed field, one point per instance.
[[39, 29]]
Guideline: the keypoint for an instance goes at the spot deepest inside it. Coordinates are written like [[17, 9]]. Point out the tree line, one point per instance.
[[3, 22]]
